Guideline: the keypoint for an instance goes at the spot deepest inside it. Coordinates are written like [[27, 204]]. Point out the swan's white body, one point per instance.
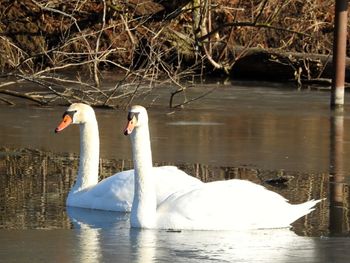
[[222, 205], [116, 192]]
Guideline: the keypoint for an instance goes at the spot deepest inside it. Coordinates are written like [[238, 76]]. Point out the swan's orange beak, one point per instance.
[[67, 120], [129, 127]]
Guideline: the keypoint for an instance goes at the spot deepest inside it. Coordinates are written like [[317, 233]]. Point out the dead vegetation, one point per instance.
[[55, 51]]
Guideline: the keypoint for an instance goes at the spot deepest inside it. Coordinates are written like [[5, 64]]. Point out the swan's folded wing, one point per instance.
[[114, 193], [234, 204], [170, 179]]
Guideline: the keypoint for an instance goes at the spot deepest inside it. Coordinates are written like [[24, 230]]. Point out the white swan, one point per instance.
[[114, 193], [222, 205]]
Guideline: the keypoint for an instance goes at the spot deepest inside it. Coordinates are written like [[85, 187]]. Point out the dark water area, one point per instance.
[[261, 134]]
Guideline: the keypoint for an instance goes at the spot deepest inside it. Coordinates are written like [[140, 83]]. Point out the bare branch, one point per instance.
[[194, 99], [22, 95], [251, 24], [7, 101]]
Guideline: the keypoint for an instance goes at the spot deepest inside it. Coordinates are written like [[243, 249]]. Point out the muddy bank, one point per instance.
[[37, 29], [152, 41]]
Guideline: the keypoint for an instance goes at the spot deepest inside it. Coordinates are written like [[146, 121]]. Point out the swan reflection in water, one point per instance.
[[107, 237]]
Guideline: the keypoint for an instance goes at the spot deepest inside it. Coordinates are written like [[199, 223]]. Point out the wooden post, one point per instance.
[[339, 53]]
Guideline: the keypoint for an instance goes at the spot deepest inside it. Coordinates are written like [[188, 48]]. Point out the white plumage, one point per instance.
[[114, 193]]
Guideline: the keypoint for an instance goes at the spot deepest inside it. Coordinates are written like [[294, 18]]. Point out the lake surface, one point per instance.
[[251, 132]]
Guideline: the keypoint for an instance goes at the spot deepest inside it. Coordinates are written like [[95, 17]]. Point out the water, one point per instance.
[[254, 133]]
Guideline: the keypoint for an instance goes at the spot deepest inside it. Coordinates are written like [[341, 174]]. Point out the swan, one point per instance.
[[114, 193], [222, 205]]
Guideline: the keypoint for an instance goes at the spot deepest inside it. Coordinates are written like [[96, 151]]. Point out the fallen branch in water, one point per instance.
[[193, 99], [22, 95], [7, 101]]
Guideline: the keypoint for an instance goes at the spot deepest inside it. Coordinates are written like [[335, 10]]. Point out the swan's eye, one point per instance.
[[131, 115], [70, 113]]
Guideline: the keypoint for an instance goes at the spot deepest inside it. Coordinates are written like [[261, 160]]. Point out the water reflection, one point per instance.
[[31, 192], [144, 244], [339, 189], [106, 236], [135, 245], [98, 219], [34, 185], [89, 225]]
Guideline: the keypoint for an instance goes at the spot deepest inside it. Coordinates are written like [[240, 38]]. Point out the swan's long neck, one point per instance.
[[143, 211], [89, 156]]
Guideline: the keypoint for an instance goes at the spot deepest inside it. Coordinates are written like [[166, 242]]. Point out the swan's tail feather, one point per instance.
[[305, 208]]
